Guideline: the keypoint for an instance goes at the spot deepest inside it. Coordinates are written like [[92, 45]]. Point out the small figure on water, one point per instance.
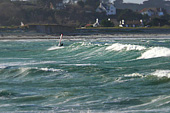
[[60, 44]]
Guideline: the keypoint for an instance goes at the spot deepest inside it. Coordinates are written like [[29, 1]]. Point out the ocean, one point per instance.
[[86, 75]]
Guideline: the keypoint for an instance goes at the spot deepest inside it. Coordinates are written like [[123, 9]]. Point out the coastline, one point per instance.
[[108, 36], [85, 33]]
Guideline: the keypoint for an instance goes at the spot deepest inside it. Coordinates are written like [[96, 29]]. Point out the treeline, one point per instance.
[[12, 13], [80, 14]]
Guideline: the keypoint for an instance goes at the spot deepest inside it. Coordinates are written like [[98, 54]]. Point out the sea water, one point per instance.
[[86, 75]]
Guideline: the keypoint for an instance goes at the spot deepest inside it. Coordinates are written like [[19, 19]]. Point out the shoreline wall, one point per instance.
[[57, 29], [50, 29], [125, 31]]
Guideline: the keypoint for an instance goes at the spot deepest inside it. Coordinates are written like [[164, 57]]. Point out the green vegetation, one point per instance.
[[128, 14], [107, 23], [162, 21], [78, 15]]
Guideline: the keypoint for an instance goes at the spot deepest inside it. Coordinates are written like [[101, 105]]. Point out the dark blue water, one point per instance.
[[85, 75]]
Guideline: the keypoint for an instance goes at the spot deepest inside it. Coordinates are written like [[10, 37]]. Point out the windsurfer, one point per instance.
[[60, 44]]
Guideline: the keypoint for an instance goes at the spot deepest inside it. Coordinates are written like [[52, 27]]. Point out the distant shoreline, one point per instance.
[[104, 36], [85, 33]]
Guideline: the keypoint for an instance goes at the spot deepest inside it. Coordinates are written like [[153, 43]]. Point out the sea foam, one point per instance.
[[127, 47], [50, 69], [54, 48], [155, 52], [161, 73], [134, 75], [157, 73]]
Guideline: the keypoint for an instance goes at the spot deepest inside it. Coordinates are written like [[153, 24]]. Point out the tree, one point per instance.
[[47, 2], [4, 1], [127, 14], [159, 22], [81, 3], [93, 3], [107, 23], [10, 14]]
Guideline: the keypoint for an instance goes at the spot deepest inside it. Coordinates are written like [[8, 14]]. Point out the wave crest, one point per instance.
[[127, 47], [155, 52], [162, 73]]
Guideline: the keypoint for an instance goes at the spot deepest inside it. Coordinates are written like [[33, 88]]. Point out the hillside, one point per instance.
[[77, 15]]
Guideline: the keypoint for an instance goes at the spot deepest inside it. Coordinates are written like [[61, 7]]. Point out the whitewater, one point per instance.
[[93, 74]]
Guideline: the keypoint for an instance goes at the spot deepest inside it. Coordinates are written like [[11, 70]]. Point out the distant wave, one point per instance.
[[155, 52], [49, 69], [78, 64], [156, 73], [13, 64], [127, 47], [90, 44], [134, 75], [20, 72]]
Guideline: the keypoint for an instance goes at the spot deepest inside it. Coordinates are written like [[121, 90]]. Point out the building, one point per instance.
[[152, 11], [96, 24], [133, 23], [109, 9]]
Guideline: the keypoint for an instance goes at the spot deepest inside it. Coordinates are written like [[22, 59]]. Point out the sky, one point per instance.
[[133, 1]]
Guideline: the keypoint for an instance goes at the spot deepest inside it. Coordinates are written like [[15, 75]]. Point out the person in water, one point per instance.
[[60, 44]]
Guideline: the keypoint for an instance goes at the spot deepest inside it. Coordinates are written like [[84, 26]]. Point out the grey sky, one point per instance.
[[133, 1]]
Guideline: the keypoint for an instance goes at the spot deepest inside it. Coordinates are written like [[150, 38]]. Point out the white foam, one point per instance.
[[86, 43], [26, 69], [155, 52], [54, 48], [50, 69], [78, 64], [157, 73], [15, 58], [127, 47], [9, 64], [134, 75], [161, 73]]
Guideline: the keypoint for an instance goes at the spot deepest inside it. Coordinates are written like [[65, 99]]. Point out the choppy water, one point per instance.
[[86, 75]]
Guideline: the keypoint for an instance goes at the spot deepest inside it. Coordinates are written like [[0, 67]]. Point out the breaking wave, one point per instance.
[[134, 75], [155, 52], [13, 64], [161, 73], [126, 47], [156, 73]]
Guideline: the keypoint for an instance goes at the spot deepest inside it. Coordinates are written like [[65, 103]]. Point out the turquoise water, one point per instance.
[[86, 75]]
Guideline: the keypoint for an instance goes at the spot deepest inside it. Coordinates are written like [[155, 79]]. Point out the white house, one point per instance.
[[96, 24], [108, 8]]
